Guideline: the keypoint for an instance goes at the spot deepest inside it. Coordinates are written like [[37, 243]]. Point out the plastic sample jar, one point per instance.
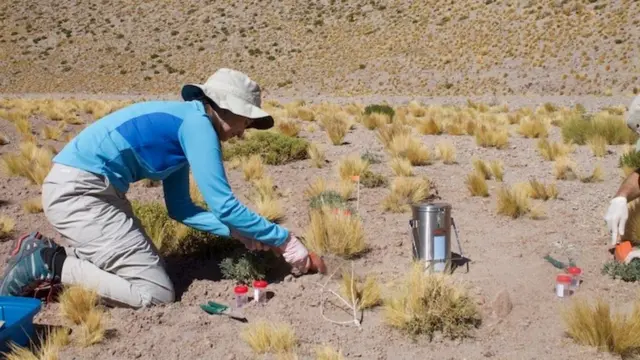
[[563, 285], [575, 273], [241, 295], [260, 291]]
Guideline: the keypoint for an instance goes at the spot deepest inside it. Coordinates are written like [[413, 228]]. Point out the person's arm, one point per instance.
[[630, 188], [181, 208], [202, 148]]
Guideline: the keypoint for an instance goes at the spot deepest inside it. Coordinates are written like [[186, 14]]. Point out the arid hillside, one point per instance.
[[302, 48]]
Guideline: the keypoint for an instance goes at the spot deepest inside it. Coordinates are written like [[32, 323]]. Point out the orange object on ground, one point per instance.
[[622, 250]]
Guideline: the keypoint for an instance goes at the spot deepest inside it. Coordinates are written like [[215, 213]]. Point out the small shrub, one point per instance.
[[371, 158], [596, 176], [328, 198], [263, 337], [477, 184], [596, 326], [430, 303], [380, 109], [375, 120], [370, 179], [273, 147], [630, 159], [334, 231], [387, 133], [579, 128], [244, 267], [513, 203], [564, 169], [626, 272], [482, 168], [492, 137], [411, 148], [552, 151]]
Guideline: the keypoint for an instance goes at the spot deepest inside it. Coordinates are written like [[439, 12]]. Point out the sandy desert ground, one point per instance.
[[507, 255]]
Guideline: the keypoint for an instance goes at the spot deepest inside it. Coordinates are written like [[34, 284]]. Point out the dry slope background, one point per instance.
[[546, 47]]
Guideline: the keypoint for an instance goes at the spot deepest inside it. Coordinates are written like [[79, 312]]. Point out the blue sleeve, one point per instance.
[[202, 148], [181, 207]]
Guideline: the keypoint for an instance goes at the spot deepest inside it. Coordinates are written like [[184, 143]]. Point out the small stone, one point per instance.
[[502, 304], [288, 278], [230, 357], [488, 354]]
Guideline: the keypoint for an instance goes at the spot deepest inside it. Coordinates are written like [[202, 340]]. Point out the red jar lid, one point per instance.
[[563, 278], [241, 289], [574, 270], [261, 284]]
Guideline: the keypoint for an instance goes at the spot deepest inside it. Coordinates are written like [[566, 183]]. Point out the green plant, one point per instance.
[[244, 267], [630, 159], [626, 272], [381, 109], [274, 148], [370, 179], [330, 198], [579, 128]]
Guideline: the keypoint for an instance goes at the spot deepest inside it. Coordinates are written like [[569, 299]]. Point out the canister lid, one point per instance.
[[241, 289], [260, 284], [563, 278], [573, 270], [431, 207]]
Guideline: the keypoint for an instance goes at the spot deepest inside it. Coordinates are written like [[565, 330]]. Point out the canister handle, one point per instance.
[[413, 224]]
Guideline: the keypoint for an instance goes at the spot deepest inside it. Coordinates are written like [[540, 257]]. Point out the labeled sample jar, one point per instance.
[[241, 295], [563, 285], [575, 273], [260, 291]]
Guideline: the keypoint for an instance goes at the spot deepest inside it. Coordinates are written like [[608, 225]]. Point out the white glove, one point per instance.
[[634, 254], [616, 217], [296, 254]]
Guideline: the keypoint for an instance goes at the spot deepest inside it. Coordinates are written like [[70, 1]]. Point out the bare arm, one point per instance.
[[630, 188]]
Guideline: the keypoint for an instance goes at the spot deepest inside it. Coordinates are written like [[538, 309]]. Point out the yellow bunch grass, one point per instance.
[[406, 191], [332, 231], [265, 337], [365, 292]]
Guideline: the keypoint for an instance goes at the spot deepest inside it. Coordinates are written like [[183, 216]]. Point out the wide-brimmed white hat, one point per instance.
[[234, 91], [633, 115]]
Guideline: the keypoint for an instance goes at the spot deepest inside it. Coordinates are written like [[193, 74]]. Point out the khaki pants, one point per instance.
[[107, 248]]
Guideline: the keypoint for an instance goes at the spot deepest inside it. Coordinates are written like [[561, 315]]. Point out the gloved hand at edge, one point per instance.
[[296, 254], [250, 244], [616, 218]]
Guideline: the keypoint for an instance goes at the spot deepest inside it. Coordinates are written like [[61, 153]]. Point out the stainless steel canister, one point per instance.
[[431, 235]]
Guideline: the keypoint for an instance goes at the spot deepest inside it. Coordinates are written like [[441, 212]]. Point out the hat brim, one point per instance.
[[261, 119]]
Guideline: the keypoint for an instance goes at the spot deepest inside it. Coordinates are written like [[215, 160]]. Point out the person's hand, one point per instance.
[[616, 217], [296, 254], [250, 244]]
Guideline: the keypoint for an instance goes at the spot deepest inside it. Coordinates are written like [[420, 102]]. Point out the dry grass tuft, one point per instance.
[[374, 121], [477, 184], [429, 126], [446, 151], [80, 306], [410, 148], [335, 231], [401, 166], [253, 168], [352, 165], [387, 133], [497, 169], [535, 127], [48, 347], [31, 162], [598, 145], [263, 337], [32, 206], [552, 151], [492, 137], [515, 203], [564, 168], [539, 190], [288, 127], [596, 176], [6, 226], [406, 191], [429, 303], [267, 202], [596, 326], [482, 168], [52, 132], [336, 125], [328, 353], [366, 293], [317, 155]]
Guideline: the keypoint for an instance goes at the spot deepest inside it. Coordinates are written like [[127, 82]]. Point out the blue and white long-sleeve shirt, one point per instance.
[[162, 140]]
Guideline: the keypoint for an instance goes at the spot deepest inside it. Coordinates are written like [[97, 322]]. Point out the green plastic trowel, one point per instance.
[[215, 308]]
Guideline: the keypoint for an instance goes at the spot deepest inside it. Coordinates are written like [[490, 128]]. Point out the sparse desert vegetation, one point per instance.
[[342, 175]]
